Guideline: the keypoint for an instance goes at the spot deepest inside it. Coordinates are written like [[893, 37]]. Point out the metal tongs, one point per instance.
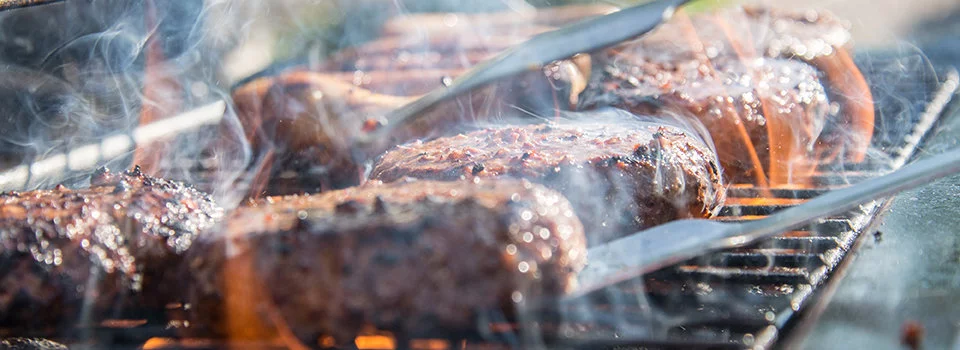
[[583, 37], [677, 241], [587, 36]]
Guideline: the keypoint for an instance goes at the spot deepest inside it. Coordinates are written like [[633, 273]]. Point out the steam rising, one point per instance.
[[79, 76]]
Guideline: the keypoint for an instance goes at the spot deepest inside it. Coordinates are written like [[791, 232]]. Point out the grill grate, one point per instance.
[[749, 297], [744, 297]]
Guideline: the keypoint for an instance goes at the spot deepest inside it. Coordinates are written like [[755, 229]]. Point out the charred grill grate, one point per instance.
[[747, 297], [750, 297]]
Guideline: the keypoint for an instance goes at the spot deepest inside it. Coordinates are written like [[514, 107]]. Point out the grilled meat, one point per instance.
[[754, 113], [30, 344], [304, 122], [80, 256], [407, 256], [741, 72], [621, 175], [319, 111]]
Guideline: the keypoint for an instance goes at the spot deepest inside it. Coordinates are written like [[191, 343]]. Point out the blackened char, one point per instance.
[[111, 247], [409, 257], [621, 175]]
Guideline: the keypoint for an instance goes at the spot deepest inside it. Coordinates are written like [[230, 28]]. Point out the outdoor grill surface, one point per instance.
[[741, 298]]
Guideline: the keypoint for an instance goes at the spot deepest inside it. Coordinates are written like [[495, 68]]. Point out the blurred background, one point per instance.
[[296, 27]]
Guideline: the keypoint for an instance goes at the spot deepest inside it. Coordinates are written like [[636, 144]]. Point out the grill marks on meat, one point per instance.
[[743, 107], [110, 248], [742, 73], [316, 114], [30, 344], [403, 256], [620, 176]]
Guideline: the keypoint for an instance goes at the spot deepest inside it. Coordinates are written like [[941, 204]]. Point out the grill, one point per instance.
[[752, 297]]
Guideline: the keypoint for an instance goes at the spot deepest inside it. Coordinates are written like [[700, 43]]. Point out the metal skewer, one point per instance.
[[677, 241], [88, 157], [583, 37]]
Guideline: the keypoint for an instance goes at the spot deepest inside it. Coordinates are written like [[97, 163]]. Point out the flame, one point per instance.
[[375, 342]]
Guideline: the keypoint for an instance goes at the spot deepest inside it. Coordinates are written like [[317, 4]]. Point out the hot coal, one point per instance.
[[407, 257], [621, 176], [73, 257]]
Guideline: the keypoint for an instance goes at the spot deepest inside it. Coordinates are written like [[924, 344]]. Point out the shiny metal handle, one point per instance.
[[838, 201]]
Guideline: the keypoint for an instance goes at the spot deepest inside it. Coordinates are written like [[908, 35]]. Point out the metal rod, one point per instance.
[[91, 156], [583, 37], [837, 201]]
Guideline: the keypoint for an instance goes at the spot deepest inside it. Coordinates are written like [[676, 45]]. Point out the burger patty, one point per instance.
[[406, 256], [111, 248], [30, 344], [621, 174], [304, 123], [744, 73], [764, 119], [304, 119]]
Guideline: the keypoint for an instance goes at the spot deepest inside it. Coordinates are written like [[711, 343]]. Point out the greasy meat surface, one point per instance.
[[30, 344], [112, 245], [305, 122], [743, 72], [406, 256], [754, 113], [621, 175], [304, 119]]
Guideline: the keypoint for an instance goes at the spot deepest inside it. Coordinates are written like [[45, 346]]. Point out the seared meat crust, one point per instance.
[[111, 247], [408, 257], [621, 176], [744, 73]]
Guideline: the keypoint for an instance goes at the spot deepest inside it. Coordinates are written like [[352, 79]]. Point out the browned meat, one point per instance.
[[621, 175], [304, 123], [754, 113], [407, 256], [109, 248], [30, 344], [739, 71], [303, 120]]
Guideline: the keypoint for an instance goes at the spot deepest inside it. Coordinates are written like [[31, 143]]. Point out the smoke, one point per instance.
[[84, 81]]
